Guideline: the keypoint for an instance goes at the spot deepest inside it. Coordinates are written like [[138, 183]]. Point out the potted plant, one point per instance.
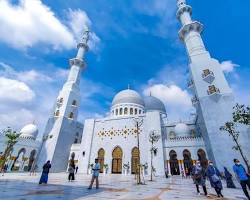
[[106, 167], [90, 166], [126, 168]]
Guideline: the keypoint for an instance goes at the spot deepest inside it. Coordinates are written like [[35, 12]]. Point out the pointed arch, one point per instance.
[[31, 159], [135, 160], [101, 154], [174, 164], [71, 115], [117, 160], [187, 161]]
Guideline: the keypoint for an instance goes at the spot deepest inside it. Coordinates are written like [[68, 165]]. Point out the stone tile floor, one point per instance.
[[22, 186]]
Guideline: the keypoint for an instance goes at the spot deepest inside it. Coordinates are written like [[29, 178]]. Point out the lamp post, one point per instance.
[[153, 138], [138, 123]]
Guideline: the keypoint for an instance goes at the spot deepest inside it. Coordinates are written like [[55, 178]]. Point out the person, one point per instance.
[[4, 169], [71, 171], [95, 174], [187, 172], [199, 178], [243, 176], [229, 178], [76, 169], [214, 175], [45, 173]]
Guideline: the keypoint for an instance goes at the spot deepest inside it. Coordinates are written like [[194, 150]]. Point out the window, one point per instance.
[[139, 111], [74, 103], [116, 111], [57, 113], [61, 100], [131, 111], [136, 111], [125, 111], [71, 115], [120, 111]]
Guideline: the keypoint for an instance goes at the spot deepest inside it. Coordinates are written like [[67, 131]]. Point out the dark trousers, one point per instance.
[[204, 189], [71, 176], [218, 192], [244, 185]]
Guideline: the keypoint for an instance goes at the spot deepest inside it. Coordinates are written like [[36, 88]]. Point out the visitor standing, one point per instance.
[[71, 171], [243, 176], [95, 174], [45, 173], [229, 178], [199, 178], [214, 177]]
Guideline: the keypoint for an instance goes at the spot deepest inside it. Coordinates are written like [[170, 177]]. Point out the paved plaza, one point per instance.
[[22, 186]]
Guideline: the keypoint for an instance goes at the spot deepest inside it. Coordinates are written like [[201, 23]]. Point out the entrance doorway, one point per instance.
[[117, 161], [187, 162], [174, 165], [134, 160], [101, 154]]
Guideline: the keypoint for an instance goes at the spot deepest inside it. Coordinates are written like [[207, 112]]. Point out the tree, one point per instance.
[[12, 139], [241, 114], [153, 138], [230, 128]]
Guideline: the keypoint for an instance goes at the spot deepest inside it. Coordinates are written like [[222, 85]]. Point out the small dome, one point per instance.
[[127, 96], [182, 129], [29, 131], [153, 103]]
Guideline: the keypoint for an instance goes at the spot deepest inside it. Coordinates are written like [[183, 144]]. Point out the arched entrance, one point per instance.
[[18, 162], [101, 154], [134, 160], [117, 161], [187, 162], [174, 165], [202, 157], [31, 159]]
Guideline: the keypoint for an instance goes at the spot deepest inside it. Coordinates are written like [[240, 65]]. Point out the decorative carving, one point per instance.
[[194, 26], [183, 9], [77, 61]]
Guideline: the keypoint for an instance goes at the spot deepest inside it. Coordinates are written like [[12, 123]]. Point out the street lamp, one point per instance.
[[138, 121], [153, 138]]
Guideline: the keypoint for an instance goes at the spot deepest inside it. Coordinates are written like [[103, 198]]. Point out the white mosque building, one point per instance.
[[121, 139]]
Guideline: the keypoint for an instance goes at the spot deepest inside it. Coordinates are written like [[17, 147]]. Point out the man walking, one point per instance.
[[243, 176], [95, 175]]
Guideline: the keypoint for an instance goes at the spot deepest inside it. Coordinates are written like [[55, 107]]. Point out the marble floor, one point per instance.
[[22, 186]]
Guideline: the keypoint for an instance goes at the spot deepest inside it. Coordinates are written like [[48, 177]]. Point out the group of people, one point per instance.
[[199, 175]]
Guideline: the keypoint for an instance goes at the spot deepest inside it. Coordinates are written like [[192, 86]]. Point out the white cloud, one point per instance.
[[14, 91], [171, 95], [228, 66], [30, 22]]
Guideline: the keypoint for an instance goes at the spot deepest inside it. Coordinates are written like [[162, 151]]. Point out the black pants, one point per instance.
[[244, 185], [204, 189], [218, 192], [71, 176]]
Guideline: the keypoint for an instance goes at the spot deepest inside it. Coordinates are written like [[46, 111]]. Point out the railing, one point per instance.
[[206, 73], [212, 90]]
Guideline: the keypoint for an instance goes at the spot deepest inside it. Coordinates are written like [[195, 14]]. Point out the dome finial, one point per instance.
[[128, 86]]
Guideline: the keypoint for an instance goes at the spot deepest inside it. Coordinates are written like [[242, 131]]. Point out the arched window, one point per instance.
[[125, 111], [120, 111], [71, 115], [101, 154], [31, 159], [61, 100], [135, 160], [57, 113], [116, 111], [117, 161], [74, 103], [139, 112], [136, 111], [131, 111]]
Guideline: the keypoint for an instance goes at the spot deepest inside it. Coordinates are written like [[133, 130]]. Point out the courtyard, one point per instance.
[[22, 186]]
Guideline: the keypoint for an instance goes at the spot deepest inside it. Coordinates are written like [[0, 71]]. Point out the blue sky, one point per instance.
[[132, 43]]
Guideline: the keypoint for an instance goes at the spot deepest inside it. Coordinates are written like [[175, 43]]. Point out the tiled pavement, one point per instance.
[[22, 186]]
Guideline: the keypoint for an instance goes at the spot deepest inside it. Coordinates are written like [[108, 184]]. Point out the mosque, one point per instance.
[[122, 140]]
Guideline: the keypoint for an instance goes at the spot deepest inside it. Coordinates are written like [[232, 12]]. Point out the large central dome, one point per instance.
[[127, 96]]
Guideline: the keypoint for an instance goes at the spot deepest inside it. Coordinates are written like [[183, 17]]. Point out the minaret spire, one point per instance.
[[190, 33]]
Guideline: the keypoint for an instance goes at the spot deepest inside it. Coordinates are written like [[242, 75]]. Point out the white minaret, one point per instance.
[[62, 127], [213, 98]]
